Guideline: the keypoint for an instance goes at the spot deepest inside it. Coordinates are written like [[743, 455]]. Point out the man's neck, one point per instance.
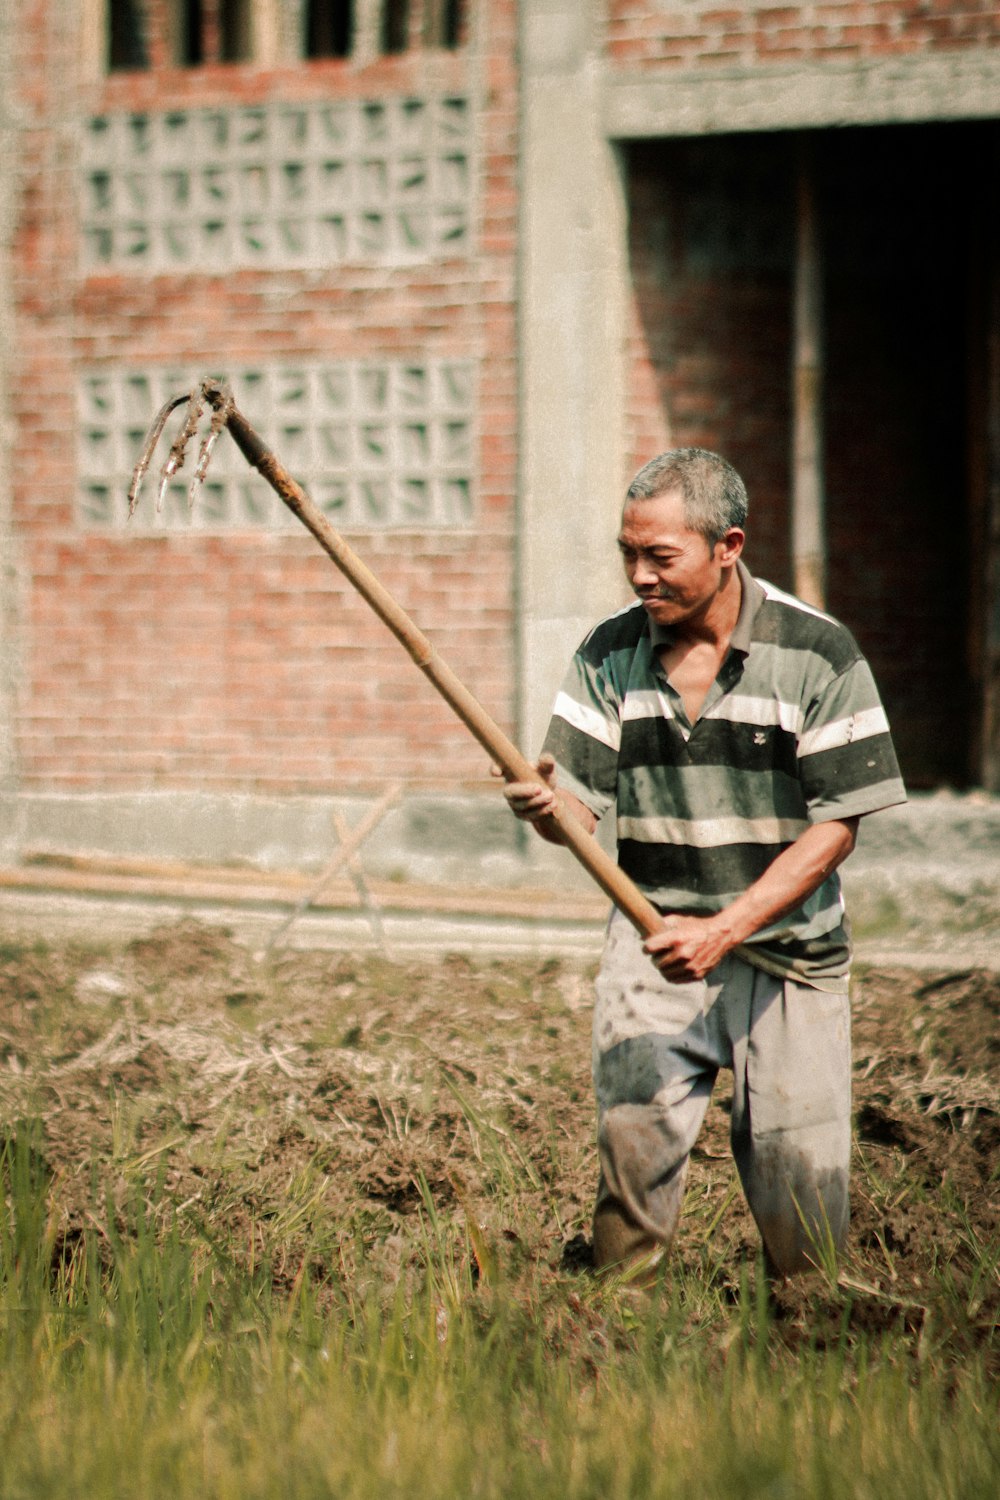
[[715, 624]]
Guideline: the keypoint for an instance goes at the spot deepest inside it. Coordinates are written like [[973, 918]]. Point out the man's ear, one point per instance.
[[731, 545]]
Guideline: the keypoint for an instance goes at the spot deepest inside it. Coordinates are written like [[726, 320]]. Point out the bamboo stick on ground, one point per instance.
[[351, 840]]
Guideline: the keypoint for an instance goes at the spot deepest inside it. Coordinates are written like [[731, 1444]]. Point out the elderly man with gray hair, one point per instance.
[[740, 734]]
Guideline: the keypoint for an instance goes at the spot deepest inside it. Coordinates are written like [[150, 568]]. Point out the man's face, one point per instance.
[[672, 569]]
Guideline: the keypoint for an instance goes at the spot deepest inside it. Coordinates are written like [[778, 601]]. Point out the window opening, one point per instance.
[[452, 23], [444, 23], [329, 28], [395, 26], [190, 49], [235, 30], [126, 36], [207, 31]]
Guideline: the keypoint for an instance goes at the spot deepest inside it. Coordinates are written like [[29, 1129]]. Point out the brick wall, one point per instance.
[[651, 34], [174, 656], [242, 660]]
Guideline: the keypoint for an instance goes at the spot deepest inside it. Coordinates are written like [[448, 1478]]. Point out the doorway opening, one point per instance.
[[908, 266]]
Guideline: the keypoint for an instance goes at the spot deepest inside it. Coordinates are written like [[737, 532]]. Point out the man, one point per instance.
[[741, 735]]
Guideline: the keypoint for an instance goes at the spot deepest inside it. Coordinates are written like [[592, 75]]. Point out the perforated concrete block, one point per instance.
[[375, 444], [386, 181]]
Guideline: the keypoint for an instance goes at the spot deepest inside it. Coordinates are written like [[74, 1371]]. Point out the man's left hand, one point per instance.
[[688, 948]]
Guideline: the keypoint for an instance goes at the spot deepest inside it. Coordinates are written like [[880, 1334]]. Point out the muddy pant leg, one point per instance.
[[653, 1075], [644, 1151], [791, 1128]]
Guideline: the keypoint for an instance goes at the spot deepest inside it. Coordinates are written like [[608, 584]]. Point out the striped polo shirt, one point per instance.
[[792, 732]]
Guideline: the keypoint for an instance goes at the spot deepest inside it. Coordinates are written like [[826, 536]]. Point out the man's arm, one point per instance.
[[532, 800], [689, 947]]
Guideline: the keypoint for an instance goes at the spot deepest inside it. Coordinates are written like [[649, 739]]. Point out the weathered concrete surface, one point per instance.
[[432, 839], [404, 935], [945, 837], [922, 887], [961, 85], [572, 281]]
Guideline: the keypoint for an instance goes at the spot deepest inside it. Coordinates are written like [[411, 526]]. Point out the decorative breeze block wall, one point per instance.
[[376, 444], [277, 185]]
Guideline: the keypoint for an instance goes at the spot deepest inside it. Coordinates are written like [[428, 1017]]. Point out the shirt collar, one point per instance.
[[752, 596]]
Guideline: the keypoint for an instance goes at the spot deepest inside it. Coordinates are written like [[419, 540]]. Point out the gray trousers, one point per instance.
[[657, 1049]]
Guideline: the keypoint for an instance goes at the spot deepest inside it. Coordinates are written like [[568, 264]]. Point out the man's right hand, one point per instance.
[[531, 800]]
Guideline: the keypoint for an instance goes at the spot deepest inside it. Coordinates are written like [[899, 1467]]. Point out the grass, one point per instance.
[[146, 1358], [315, 1245]]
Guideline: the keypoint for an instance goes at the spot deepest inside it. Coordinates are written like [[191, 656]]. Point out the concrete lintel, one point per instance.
[[897, 90]]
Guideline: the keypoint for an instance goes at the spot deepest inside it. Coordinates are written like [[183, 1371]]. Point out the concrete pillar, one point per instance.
[[367, 30], [572, 298], [93, 53], [271, 43]]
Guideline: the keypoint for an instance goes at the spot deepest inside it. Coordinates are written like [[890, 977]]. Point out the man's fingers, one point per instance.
[[659, 942], [519, 790], [531, 799], [678, 970], [528, 800], [546, 769]]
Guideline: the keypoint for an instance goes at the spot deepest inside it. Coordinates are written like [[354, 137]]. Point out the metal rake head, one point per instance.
[[219, 397]]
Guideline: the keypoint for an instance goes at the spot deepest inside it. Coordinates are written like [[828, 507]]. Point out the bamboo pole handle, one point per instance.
[[515, 767]]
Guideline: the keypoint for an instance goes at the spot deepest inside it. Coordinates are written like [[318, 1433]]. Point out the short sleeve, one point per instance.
[[584, 734], [847, 762]]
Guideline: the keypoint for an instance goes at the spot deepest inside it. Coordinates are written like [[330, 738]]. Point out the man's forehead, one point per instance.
[[661, 517]]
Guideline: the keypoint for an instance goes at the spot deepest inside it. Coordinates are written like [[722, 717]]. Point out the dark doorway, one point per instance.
[[900, 211], [903, 231]]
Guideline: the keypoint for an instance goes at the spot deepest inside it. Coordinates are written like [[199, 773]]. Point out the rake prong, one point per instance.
[[166, 474], [149, 446], [220, 416], [175, 459], [222, 404]]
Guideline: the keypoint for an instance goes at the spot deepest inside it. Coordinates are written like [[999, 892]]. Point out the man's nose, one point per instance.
[[641, 573]]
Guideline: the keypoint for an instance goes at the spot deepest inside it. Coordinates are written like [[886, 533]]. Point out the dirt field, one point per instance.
[[258, 1098]]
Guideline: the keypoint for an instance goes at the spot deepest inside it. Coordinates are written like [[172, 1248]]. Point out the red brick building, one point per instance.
[[468, 263]]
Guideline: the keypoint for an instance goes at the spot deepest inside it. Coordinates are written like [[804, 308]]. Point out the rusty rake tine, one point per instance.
[[149, 446], [196, 405], [220, 416]]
